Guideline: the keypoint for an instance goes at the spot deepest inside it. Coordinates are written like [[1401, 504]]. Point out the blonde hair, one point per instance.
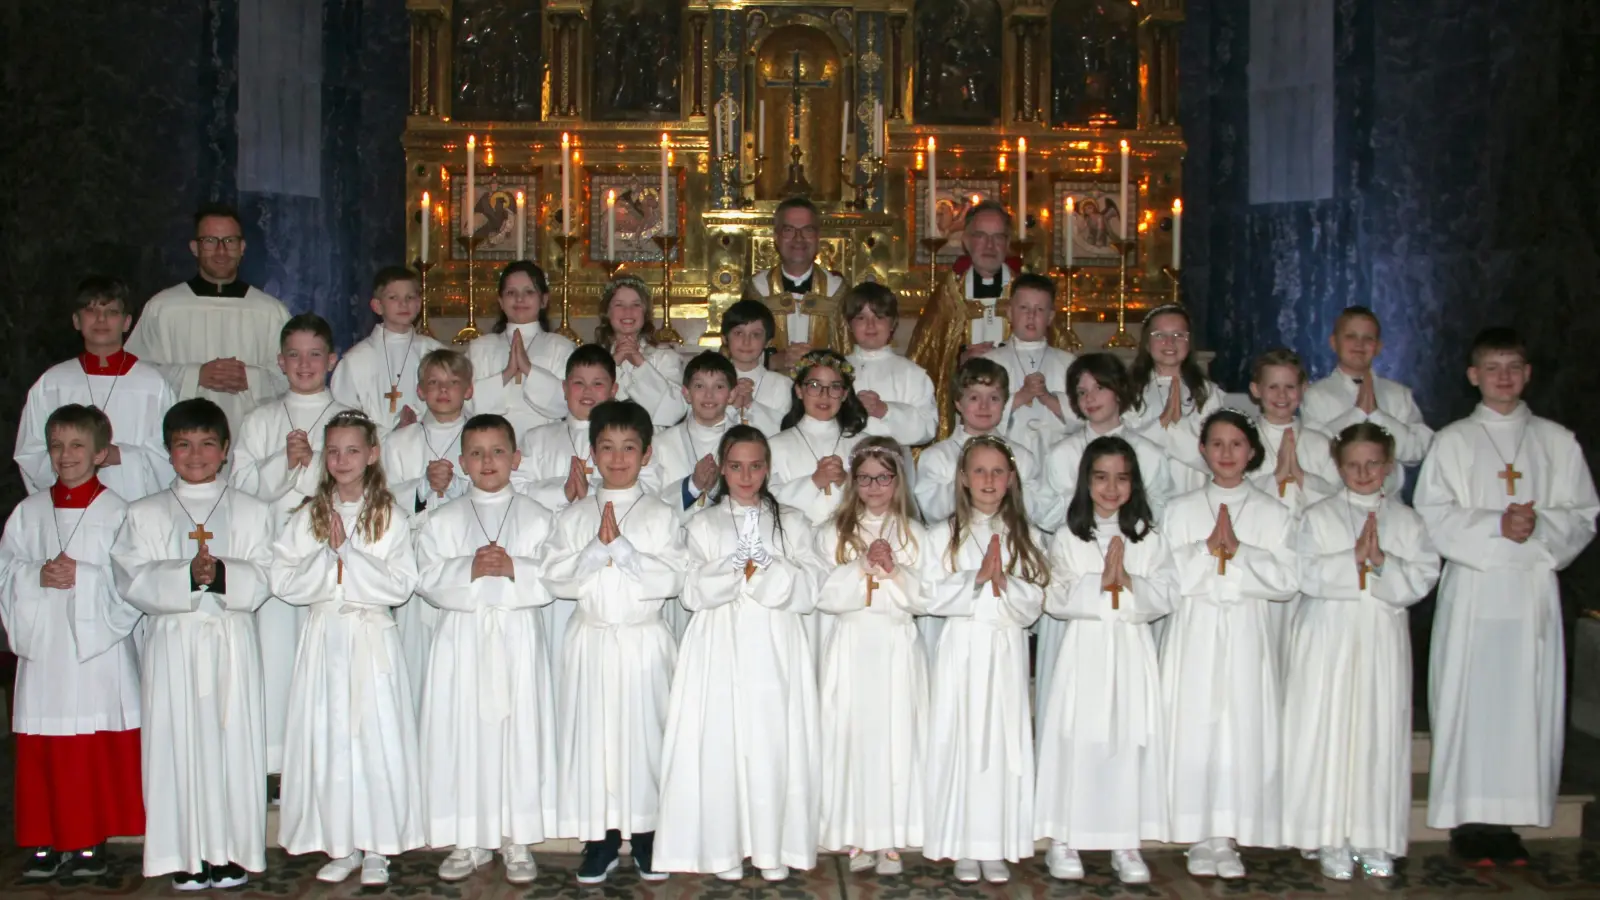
[[451, 362], [376, 499], [847, 518], [1035, 568]]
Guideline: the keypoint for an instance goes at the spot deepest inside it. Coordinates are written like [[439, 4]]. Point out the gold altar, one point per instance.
[[754, 100]]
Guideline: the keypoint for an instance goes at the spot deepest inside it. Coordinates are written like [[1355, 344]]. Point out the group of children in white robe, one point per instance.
[[765, 629]]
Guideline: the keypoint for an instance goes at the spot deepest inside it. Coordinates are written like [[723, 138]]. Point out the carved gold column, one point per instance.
[[566, 55], [429, 56], [698, 42], [1158, 64], [898, 76], [1025, 66]]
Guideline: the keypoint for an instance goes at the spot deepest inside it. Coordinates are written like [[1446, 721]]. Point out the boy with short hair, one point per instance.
[[377, 375], [982, 390], [195, 559], [621, 558], [133, 395], [489, 713], [760, 396], [1353, 393], [76, 709], [896, 392], [686, 454], [1509, 501], [1040, 414], [278, 459]]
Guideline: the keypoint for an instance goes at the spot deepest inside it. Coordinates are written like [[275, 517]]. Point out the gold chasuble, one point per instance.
[[823, 309], [951, 321]]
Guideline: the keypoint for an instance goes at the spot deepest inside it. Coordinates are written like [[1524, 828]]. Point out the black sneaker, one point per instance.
[[1507, 849], [231, 875], [44, 863], [644, 851], [193, 881], [600, 858], [88, 863]]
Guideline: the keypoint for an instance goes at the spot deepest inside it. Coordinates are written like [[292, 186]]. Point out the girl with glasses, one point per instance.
[[1171, 396], [824, 423]]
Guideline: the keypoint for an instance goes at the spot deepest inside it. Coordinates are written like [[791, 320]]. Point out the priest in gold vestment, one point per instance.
[[805, 298]]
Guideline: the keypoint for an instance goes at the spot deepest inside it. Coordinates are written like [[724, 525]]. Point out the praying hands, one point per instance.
[[60, 573], [1518, 521], [992, 571], [1288, 469]]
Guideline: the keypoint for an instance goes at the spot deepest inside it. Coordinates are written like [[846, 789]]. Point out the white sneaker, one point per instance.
[[374, 870], [734, 874], [776, 873], [1063, 862], [967, 871], [1337, 863], [889, 863], [520, 868], [1130, 867], [1229, 865], [861, 861], [1376, 863], [338, 870], [1202, 861], [995, 871], [462, 862]]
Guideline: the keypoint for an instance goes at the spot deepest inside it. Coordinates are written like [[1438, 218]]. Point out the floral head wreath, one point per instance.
[[993, 442], [827, 358]]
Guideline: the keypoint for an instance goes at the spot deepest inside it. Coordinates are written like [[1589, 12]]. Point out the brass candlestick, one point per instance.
[[932, 245], [422, 288], [612, 267], [1173, 274], [566, 241], [797, 185], [732, 181], [1069, 339], [873, 166], [1021, 248], [666, 334], [469, 332], [1122, 340]]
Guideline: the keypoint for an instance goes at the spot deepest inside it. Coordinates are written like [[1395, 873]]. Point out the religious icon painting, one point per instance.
[[489, 219], [955, 197], [1096, 220], [640, 216]]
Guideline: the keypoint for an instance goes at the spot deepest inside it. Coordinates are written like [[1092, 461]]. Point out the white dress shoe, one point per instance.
[[338, 870], [967, 871], [1130, 867], [1063, 862]]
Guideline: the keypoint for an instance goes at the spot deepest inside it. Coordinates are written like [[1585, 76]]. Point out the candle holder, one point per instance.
[[732, 181], [566, 241], [1069, 340], [1022, 248], [1173, 274], [932, 245], [422, 288], [469, 332], [612, 267], [873, 166], [797, 185], [1122, 340], [666, 334]]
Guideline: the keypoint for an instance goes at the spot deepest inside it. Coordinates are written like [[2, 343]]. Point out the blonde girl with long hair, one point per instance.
[[873, 679], [351, 783], [989, 585], [648, 373]]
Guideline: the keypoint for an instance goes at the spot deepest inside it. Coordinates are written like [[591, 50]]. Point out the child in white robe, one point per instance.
[[75, 714], [1509, 501], [419, 463], [1221, 695], [1040, 414], [1102, 781], [873, 681], [488, 711], [740, 760], [990, 587], [518, 363], [1364, 558], [761, 397], [194, 559], [350, 771], [132, 394], [379, 375], [1171, 396], [620, 557], [278, 459], [982, 394], [896, 393], [648, 373]]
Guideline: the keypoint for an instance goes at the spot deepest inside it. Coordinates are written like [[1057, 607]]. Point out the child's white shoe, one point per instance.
[[1337, 863], [860, 860], [1063, 862], [462, 862], [1202, 861], [374, 870], [1130, 867], [889, 863], [734, 874], [337, 870], [520, 867], [995, 871], [1376, 863], [967, 871], [776, 873], [1229, 865]]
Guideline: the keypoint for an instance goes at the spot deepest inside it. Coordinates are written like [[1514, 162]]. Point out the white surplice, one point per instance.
[[488, 713], [980, 774], [771, 397], [1102, 773], [1033, 425], [1347, 702], [1180, 441], [538, 399], [1496, 679], [616, 659], [674, 454], [77, 669], [384, 361], [902, 385], [134, 402], [261, 468], [350, 768], [740, 764], [179, 331], [873, 690], [1329, 405], [936, 477], [657, 385], [202, 739], [1312, 451], [1219, 668]]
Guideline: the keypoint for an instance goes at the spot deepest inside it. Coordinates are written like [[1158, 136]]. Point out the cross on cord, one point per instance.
[[1223, 554], [393, 395], [200, 535], [749, 568], [796, 84], [1116, 596], [1510, 475], [872, 585], [1364, 569]]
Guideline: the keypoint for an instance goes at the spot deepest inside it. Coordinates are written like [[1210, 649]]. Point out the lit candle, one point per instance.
[[522, 226], [566, 186], [1177, 234], [761, 128], [611, 225], [1022, 189], [427, 215], [933, 190], [472, 181], [666, 216], [1071, 218], [877, 129], [1122, 196], [716, 121], [844, 131]]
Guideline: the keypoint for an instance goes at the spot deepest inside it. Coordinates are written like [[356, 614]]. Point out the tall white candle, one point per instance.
[[427, 215], [844, 131], [522, 225], [933, 189], [566, 185], [611, 225], [1022, 189], [761, 128], [1071, 217], [1177, 234], [877, 128], [716, 123], [472, 185], [667, 214], [1122, 196]]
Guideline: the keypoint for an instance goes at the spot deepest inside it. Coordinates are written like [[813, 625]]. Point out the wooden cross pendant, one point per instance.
[[749, 568], [393, 395], [200, 535], [587, 469], [994, 587], [1116, 596], [1223, 554], [1283, 487], [827, 489], [1364, 569], [1510, 475], [872, 585], [339, 577]]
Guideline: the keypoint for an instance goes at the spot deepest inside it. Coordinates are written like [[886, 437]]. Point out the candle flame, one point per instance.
[[521, 199], [564, 139], [931, 144], [611, 198], [577, 156], [1071, 204], [472, 142], [488, 155], [1124, 146], [663, 140], [1045, 214], [921, 162], [1002, 162], [976, 199], [425, 204], [1022, 145], [1177, 207]]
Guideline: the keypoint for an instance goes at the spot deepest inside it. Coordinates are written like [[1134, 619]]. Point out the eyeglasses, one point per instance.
[[883, 480], [1176, 337], [789, 232], [229, 243], [832, 388]]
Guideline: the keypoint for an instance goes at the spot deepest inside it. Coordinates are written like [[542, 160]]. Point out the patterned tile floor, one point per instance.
[[1569, 869]]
